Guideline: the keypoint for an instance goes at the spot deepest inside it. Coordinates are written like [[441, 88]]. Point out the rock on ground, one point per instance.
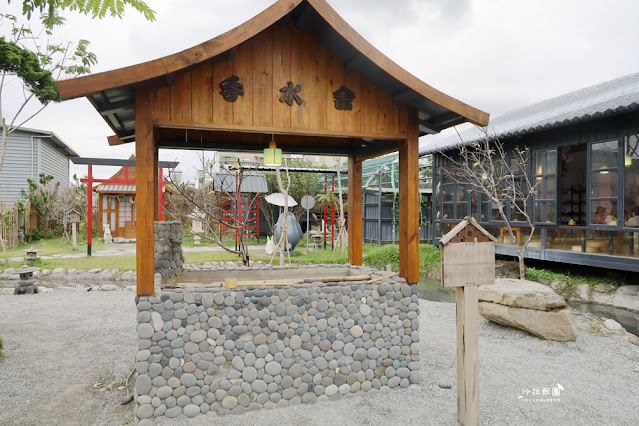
[[554, 325], [521, 294], [529, 306]]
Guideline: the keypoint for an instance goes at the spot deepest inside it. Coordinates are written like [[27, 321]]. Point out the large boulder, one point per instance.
[[550, 325], [521, 294], [528, 306]]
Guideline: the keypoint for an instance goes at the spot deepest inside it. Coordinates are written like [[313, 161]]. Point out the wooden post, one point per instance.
[[74, 235], [468, 261], [146, 201], [355, 240], [409, 201], [467, 355], [90, 206]]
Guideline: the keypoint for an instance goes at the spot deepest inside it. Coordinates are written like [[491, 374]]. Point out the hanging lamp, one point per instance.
[[272, 155]]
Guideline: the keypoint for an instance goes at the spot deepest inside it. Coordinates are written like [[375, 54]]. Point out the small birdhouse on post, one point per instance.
[[73, 217], [468, 261]]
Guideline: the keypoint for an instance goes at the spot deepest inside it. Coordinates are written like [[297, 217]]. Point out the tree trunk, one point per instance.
[[522, 268], [3, 149]]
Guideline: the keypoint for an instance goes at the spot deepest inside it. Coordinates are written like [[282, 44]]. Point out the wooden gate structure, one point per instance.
[[296, 74]]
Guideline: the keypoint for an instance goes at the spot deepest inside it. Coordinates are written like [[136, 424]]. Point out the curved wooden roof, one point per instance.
[[437, 109]]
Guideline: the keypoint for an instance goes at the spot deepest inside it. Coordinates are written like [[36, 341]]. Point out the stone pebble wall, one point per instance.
[[168, 256], [217, 351]]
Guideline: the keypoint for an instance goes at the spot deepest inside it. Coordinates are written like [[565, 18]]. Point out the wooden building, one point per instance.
[[29, 153], [296, 74], [116, 202], [585, 156]]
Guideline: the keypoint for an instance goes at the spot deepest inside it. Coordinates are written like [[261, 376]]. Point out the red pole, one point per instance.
[[90, 206], [237, 207], [160, 198], [332, 213], [325, 192]]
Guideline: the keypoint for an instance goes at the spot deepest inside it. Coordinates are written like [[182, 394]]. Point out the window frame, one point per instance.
[[543, 175], [617, 168]]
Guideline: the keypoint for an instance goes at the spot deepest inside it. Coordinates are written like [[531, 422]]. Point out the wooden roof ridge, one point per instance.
[[329, 14], [135, 74], [461, 225], [93, 83]]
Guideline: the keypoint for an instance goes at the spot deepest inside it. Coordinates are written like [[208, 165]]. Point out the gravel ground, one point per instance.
[[64, 341]]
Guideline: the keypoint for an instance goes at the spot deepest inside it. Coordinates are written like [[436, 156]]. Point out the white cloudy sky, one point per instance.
[[493, 54]]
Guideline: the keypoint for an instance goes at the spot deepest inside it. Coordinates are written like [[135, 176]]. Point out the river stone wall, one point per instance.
[[168, 256], [216, 351]]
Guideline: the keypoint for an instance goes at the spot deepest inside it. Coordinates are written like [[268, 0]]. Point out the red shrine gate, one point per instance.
[[125, 177]]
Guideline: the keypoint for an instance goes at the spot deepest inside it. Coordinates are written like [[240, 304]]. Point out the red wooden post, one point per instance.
[[332, 213], [90, 206], [325, 192]]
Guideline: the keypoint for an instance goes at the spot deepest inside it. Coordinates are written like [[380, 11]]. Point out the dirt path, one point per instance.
[[57, 348], [59, 343]]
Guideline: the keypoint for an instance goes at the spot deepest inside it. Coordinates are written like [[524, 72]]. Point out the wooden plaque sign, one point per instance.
[[468, 256], [465, 264]]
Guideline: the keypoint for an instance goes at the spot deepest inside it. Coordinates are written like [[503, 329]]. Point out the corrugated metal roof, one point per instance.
[[116, 188], [111, 188], [54, 138], [251, 183], [598, 101]]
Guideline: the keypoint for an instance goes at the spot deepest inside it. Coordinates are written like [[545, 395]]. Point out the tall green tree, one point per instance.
[[95, 8]]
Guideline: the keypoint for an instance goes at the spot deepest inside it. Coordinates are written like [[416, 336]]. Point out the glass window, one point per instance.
[[545, 205], [604, 155], [603, 183], [631, 181]]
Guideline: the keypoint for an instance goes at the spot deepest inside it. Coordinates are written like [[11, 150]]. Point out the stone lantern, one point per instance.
[[32, 253], [26, 285]]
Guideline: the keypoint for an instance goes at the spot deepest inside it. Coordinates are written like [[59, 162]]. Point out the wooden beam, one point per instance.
[[405, 97], [115, 107], [377, 148], [409, 201], [429, 127], [175, 124], [355, 239], [115, 140], [146, 153]]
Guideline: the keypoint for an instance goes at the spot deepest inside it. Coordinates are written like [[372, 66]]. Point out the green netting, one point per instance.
[[386, 168]]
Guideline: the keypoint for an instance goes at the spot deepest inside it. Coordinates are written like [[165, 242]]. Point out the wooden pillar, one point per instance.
[[467, 355], [355, 238], [409, 201], [146, 181]]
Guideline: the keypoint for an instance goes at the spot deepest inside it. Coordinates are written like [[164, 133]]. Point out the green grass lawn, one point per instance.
[[57, 246]]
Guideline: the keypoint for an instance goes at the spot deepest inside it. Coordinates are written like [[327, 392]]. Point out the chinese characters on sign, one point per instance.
[[344, 98], [291, 94], [231, 88], [547, 394]]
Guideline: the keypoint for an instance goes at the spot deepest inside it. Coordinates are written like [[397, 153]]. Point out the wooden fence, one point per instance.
[[11, 222]]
